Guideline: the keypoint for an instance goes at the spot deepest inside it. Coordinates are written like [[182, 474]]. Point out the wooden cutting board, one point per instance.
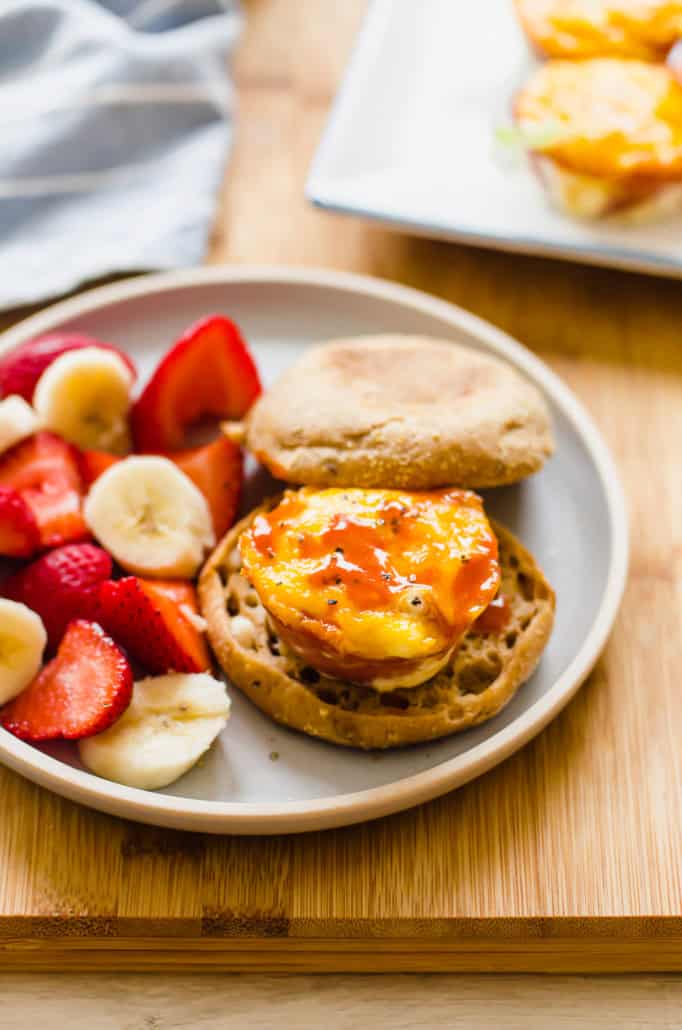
[[565, 858]]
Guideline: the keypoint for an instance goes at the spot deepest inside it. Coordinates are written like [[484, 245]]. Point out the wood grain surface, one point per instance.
[[567, 857], [308, 1003]]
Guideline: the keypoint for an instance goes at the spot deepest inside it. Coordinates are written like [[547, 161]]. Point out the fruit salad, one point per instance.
[[106, 516]]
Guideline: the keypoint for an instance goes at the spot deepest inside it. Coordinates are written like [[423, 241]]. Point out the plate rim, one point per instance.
[[321, 185], [372, 803]]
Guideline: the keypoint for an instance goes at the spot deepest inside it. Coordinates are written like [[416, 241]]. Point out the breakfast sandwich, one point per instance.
[[377, 605], [605, 136], [375, 618], [579, 29]]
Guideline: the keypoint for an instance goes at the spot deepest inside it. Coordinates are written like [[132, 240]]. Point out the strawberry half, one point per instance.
[[82, 691], [60, 586], [19, 533], [44, 471], [155, 623], [217, 470], [209, 371], [93, 463], [21, 369]]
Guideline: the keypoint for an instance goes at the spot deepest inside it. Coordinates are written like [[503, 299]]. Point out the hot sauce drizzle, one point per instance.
[[358, 552], [353, 556], [262, 536], [496, 616]]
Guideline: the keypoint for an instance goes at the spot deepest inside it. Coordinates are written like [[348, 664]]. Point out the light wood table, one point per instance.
[[585, 822], [207, 1002]]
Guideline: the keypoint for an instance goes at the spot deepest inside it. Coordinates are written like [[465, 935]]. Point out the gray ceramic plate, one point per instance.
[[260, 778]]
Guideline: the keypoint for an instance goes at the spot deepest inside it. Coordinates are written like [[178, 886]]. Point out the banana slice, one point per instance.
[[17, 421], [84, 395], [150, 517], [170, 723], [22, 642]]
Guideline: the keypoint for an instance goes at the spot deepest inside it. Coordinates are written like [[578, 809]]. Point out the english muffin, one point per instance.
[[496, 654], [400, 411]]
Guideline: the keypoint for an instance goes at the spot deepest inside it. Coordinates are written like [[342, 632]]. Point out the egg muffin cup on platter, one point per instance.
[[605, 136], [580, 29], [376, 606]]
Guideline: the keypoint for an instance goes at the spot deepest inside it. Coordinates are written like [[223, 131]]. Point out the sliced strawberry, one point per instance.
[[79, 693], [93, 463], [217, 471], [44, 470], [180, 592], [19, 533], [21, 369], [209, 371], [60, 586], [154, 622]]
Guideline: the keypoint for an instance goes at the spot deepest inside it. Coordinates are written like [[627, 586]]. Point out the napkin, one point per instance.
[[116, 122]]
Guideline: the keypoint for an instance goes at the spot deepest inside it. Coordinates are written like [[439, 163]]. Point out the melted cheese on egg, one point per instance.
[[579, 29], [609, 118], [374, 586]]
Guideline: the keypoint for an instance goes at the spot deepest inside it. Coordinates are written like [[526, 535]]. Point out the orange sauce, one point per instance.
[[496, 616], [355, 554], [267, 529]]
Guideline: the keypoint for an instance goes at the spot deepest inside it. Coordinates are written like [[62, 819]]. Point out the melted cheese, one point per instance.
[[374, 586], [580, 29], [608, 118]]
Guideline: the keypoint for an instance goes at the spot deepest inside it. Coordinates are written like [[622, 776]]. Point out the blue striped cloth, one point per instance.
[[115, 122]]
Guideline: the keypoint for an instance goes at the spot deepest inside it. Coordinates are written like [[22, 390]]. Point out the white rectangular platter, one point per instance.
[[411, 141]]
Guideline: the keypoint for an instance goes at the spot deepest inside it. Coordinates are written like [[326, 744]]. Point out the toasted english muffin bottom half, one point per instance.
[[400, 411], [580, 29], [605, 136], [495, 656]]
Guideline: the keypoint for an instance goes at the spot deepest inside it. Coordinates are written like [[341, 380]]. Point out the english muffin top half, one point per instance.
[[400, 411]]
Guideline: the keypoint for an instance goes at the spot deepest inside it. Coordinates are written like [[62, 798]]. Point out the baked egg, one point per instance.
[[373, 586], [579, 29], [608, 128]]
